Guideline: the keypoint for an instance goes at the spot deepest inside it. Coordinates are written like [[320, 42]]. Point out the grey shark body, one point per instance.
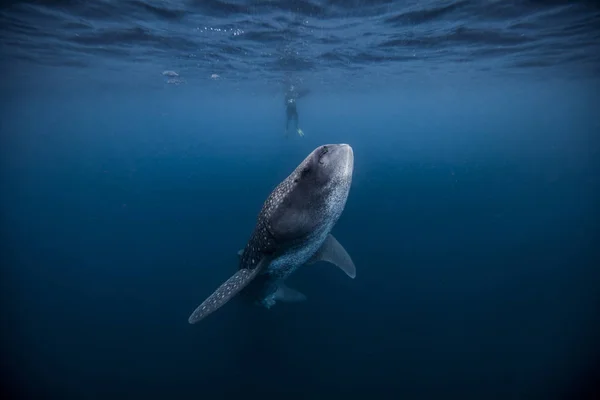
[[292, 229]]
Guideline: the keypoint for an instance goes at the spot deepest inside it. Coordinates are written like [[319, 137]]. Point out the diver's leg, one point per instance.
[[298, 130], [287, 124]]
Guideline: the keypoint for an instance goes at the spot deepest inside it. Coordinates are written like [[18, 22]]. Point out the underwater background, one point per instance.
[[139, 139]]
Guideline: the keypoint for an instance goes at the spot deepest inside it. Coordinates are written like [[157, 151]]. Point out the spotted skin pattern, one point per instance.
[[223, 294], [291, 226]]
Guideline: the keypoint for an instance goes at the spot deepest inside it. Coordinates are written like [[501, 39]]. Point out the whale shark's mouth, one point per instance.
[[349, 164]]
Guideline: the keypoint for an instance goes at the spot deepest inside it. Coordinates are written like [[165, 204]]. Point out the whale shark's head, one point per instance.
[[326, 169], [327, 164], [314, 195]]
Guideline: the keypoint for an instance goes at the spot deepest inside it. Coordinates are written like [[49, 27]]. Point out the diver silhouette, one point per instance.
[[291, 110]]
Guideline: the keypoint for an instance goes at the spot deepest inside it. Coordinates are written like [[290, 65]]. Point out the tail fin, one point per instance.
[[226, 292]]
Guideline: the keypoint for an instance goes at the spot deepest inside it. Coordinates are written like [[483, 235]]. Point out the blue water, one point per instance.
[[126, 193]]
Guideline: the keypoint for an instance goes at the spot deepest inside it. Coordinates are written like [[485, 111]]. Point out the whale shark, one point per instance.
[[293, 229]]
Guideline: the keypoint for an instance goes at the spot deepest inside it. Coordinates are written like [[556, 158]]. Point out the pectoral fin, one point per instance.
[[226, 292], [333, 252], [287, 294]]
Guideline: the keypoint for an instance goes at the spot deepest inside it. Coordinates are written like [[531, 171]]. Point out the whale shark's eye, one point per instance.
[[305, 171], [303, 174]]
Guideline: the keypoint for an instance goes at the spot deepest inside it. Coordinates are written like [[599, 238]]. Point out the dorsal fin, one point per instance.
[[226, 291], [333, 252]]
